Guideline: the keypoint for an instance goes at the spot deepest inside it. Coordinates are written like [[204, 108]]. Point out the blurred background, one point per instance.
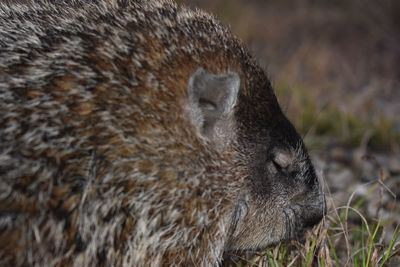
[[335, 67], [344, 56]]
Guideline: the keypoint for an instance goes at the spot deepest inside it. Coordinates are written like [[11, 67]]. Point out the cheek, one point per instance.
[[266, 184], [261, 181], [263, 224]]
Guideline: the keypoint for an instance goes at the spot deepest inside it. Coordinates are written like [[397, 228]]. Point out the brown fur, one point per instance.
[[100, 164]]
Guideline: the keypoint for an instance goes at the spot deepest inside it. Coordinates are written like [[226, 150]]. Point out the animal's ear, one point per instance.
[[212, 98]]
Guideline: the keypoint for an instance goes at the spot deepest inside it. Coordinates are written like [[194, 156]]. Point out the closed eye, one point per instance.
[[278, 166], [282, 161]]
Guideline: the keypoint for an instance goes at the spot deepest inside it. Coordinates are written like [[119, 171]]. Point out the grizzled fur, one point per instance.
[[103, 159]]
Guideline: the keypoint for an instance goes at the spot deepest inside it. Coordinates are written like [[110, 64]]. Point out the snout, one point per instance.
[[310, 200], [309, 206], [314, 214], [313, 210]]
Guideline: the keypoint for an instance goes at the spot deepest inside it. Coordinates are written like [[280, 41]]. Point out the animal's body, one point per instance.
[[138, 133]]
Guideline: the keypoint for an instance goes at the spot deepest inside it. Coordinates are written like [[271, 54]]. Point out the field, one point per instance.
[[335, 66]]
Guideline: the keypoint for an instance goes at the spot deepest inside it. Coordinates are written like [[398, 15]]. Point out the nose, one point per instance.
[[315, 202], [314, 211], [311, 220]]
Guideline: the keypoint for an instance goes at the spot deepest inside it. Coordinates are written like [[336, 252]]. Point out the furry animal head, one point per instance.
[[280, 195], [137, 133]]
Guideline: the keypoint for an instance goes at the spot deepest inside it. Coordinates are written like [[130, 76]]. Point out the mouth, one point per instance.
[[251, 230], [299, 219]]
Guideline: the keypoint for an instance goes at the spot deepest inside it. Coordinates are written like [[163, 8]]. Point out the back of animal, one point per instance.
[[140, 133]]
